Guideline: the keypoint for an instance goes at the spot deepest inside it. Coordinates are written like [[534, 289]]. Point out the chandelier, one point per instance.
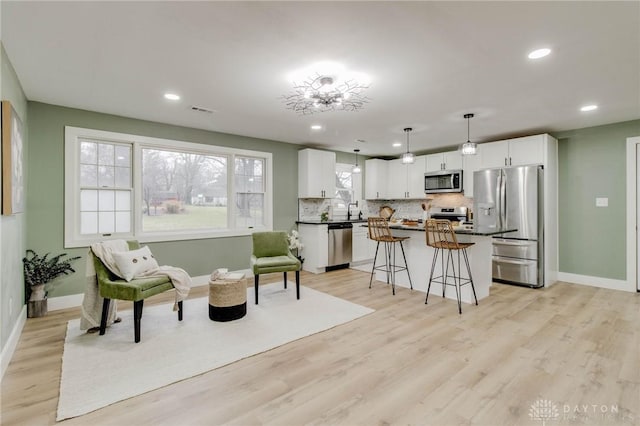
[[322, 93]]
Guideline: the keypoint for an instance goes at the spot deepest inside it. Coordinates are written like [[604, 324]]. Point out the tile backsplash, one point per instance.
[[310, 209]]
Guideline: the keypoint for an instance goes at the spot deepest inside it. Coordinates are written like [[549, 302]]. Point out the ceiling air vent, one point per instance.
[[202, 109]]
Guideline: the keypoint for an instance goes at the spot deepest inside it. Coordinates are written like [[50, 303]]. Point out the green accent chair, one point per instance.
[[271, 254], [114, 287]]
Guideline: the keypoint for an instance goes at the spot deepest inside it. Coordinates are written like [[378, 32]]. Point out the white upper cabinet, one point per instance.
[[471, 164], [375, 185], [415, 178], [316, 174], [450, 160], [396, 179], [513, 152], [406, 180]]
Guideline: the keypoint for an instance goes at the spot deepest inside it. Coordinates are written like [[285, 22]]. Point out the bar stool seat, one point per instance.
[[440, 236], [379, 231]]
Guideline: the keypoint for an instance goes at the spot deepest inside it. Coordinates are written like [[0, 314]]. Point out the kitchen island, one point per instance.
[[420, 256]]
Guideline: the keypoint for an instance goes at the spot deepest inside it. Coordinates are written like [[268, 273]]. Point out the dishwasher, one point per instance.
[[340, 235]]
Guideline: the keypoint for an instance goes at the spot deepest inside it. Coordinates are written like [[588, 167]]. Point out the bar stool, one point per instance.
[[379, 231], [441, 237]]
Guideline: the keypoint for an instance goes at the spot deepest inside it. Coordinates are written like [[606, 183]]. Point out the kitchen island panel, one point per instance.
[[420, 256]]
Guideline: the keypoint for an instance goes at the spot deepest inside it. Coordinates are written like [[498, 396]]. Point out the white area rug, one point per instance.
[[101, 370]]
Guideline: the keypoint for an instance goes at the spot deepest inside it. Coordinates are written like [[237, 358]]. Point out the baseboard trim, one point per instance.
[[12, 343], [608, 283], [75, 300]]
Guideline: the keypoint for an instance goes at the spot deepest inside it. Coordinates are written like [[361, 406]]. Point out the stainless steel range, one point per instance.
[[454, 214]]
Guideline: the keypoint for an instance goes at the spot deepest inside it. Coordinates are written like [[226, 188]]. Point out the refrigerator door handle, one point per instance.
[[513, 261], [514, 242], [503, 199], [498, 200]]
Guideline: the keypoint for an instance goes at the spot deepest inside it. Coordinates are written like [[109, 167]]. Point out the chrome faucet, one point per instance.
[[349, 209]]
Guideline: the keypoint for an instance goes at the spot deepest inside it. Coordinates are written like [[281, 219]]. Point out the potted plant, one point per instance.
[[38, 272]]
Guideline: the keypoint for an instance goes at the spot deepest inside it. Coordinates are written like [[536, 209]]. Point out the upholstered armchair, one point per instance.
[[271, 254], [112, 287]]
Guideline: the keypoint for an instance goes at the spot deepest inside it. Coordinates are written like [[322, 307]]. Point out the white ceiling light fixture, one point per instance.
[[408, 157], [587, 108], [323, 92], [469, 148], [539, 53], [397, 144], [316, 127], [172, 96], [356, 168]]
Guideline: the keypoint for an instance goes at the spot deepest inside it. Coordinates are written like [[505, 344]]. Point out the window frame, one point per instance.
[[356, 181], [73, 136]]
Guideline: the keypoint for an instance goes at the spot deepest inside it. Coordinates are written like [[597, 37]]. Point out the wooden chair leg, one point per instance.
[[256, 279], [285, 280], [180, 310], [298, 285], [105, 314], [137, 316]]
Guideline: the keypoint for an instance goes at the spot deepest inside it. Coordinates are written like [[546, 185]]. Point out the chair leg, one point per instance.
[[433, 267], [373, 268], [285, 280], [105, 314], [298, 285], [137, 316], [466, 261], [256, 280], [180, 310], [457, 280], [405, 265]]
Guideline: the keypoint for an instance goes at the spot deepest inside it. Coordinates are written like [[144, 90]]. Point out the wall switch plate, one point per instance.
[[602, 202]]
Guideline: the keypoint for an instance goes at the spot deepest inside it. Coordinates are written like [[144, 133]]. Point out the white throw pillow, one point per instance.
[[135, 262]]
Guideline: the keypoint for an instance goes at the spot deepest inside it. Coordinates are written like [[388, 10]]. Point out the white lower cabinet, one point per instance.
[[362, 247], [316, 242]]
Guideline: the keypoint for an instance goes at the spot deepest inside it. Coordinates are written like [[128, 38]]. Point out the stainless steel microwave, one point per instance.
[[443, 181]]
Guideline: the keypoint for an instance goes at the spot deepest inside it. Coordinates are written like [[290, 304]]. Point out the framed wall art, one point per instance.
[[12, 161]]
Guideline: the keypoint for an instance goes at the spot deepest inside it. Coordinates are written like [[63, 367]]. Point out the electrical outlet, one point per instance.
[[602, 202]]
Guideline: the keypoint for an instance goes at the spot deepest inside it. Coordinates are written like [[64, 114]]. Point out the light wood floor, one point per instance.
[[407, 363]]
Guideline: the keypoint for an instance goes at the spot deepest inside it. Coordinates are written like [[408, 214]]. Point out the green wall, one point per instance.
[[591, 164], [12, 228], [45, 202]]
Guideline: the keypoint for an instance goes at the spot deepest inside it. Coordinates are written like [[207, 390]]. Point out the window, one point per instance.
[[348, 187], [126, 186], [105, 187]]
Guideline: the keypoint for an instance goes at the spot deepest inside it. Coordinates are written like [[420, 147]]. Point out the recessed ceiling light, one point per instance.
[[397, 144], [172, 96], [316, 127], [589, 108], [539, 53]]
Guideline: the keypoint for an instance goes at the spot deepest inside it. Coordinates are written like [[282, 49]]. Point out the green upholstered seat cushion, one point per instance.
[[137, 289], [270, 244], [265, 265], [114, 287]]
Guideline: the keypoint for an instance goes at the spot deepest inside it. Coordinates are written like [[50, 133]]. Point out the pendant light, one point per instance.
[[408, 157], [356, 168], [469, 148]]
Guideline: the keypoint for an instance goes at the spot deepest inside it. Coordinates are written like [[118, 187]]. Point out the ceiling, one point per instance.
[[429, 63]]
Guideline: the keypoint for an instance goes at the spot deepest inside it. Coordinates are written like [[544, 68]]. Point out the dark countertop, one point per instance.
[[318, 222], [482, 232]]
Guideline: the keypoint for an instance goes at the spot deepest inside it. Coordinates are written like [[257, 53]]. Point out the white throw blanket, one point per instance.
[[92, 303]]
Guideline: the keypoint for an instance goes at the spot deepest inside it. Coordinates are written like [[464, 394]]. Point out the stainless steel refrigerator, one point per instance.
[[513, 198]]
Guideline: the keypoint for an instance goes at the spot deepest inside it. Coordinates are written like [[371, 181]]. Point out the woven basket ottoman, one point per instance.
[[227, 299]]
